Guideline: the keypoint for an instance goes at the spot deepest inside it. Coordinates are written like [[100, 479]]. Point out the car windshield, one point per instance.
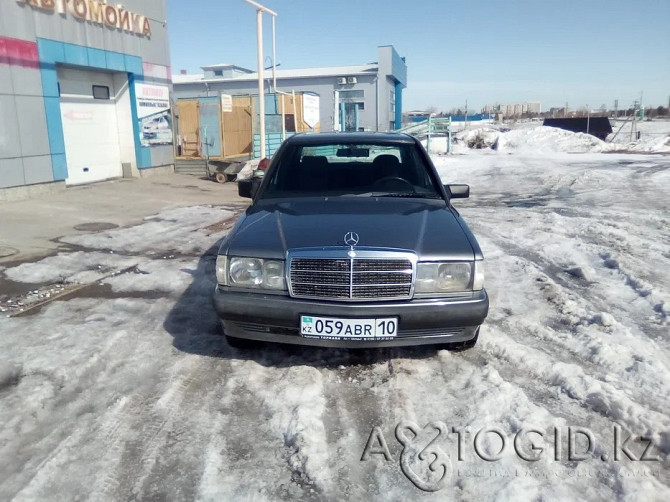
[[378, 170]]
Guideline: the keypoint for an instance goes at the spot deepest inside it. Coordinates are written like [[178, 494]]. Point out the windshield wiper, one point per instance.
[[408, 195]]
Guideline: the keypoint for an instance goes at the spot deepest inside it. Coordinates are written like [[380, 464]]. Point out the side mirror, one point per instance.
[[245, 188], [248, 188], [458, 191]]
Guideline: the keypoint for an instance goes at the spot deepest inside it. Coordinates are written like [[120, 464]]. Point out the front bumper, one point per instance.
[[276, 318]]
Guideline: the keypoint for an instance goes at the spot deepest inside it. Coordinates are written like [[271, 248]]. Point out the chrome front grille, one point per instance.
[[368, 275]]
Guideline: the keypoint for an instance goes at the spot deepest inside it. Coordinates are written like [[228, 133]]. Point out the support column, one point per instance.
[[398, 105]]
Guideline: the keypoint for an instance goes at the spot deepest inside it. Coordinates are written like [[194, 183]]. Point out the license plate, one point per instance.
[[333, 328]]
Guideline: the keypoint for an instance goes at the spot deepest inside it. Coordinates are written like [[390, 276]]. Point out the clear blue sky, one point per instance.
[[486, 51]]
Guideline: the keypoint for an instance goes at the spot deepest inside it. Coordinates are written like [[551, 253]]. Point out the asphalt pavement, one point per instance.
[[31, 228]]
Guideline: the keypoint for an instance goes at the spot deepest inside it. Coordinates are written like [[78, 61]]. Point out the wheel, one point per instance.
[[393, 183], [221, 177], [241, 343]]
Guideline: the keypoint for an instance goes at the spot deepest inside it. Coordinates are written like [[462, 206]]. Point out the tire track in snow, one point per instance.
[[138, 430], [356, 402], [277, 410], [73, 396]]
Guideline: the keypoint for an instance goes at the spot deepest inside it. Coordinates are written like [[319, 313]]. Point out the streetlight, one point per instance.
[[261, 94]]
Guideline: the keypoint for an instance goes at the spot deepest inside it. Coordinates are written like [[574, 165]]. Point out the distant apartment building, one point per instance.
[[512, 109]]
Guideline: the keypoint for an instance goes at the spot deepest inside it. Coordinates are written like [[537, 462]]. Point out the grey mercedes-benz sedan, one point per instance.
[[351, 241]]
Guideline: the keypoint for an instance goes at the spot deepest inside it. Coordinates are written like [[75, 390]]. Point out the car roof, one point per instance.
[[339, 138]]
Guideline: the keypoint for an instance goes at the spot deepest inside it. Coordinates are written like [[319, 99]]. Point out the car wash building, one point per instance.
[[84, 92], [211, 106]]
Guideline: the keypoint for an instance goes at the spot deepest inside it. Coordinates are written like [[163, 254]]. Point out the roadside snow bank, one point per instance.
[[651, 144], [522, 140], [549, 139], [541, 139]]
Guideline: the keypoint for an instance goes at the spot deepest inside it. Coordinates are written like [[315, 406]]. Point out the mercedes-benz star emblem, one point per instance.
[[351, 239]]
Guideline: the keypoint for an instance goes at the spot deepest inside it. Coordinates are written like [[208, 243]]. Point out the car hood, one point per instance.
[[428, 227]]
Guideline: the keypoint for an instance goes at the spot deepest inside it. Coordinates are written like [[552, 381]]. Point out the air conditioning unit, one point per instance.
[[352, 80], [342, 80]]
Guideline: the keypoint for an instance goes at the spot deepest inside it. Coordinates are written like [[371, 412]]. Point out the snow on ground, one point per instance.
[[531, 137], [126, 390]]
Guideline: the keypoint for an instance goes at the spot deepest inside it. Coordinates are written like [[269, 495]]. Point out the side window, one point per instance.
[[421, 173], [100, 92]]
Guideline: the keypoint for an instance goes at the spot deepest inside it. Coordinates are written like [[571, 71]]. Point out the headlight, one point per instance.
[[222, 270], [273, 275], [443, 277], [246, 272], [256, 273]]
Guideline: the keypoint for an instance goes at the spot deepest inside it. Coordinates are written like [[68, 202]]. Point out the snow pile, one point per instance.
[[528, 137], [549, 139], [470, 139], [155, 275], [478, 139], [542, 140], [80, 267], [648, 143]]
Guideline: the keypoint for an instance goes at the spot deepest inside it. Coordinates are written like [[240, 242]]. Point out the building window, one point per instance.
[[100, 92], [352, 96]]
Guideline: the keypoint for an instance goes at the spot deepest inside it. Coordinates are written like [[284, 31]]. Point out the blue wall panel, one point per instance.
[[133, 64], [49, 80], [50, 51], [115, 61], [75, 54], [398, 105], [59, 166], [54, 125], [272, 142], [210, 126], [96, 58]]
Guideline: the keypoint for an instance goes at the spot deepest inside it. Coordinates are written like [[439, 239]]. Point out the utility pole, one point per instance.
[[633, 127], [466, 114], [261, 94], [274, 57]]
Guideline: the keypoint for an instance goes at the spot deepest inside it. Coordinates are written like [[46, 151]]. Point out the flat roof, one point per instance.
[[225, 66], [327, 71]]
